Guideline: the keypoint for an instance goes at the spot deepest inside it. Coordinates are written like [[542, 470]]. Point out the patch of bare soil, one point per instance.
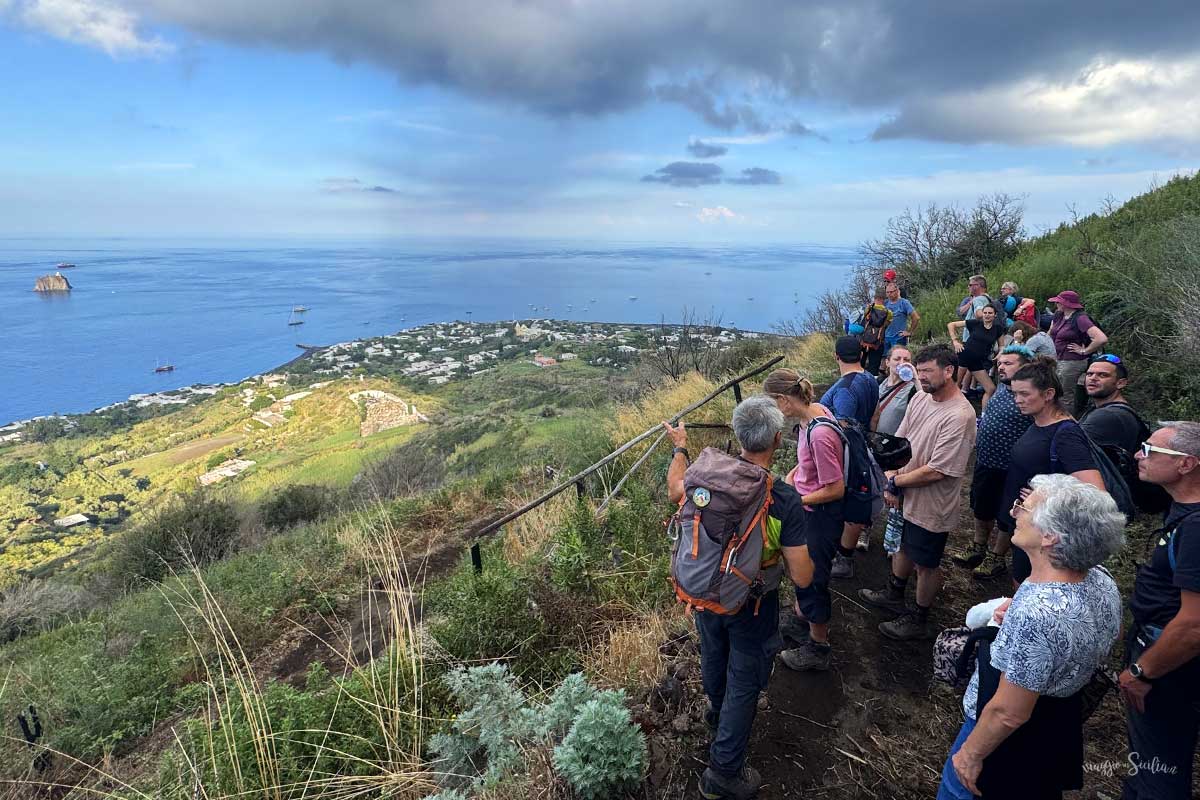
[[197, 449]]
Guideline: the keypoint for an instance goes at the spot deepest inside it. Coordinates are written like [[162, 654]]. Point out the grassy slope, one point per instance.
[[1071, 257]]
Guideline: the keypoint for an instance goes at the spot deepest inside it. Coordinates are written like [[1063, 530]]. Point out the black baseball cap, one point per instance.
[[848, 349]]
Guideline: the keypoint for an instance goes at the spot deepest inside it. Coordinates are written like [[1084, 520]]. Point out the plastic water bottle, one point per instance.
[[891, 534]]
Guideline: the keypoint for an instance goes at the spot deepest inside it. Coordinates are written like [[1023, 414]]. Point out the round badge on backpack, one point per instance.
[[701, 497]]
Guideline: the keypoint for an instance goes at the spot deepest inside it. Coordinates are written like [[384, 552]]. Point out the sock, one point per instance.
[[922, 613], [847, 552], [896, 586]]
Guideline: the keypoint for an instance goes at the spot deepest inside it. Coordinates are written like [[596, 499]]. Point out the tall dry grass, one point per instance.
[[628, 655]]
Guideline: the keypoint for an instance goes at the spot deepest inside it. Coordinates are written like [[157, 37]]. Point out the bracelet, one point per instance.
[[683, 450]]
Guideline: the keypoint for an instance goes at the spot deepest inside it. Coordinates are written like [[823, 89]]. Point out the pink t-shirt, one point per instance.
[[821, 464]]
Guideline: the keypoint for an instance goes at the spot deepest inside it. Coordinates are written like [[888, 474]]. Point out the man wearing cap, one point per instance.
[[853, 397], [1076, 338]]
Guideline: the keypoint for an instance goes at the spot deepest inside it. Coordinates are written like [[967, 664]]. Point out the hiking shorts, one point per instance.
[[823, 527], [987, 491], [925, 548]]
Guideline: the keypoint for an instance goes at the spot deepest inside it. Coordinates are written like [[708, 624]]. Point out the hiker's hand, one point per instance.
[[904, 334], [678, 434], [1078, 349], [791, 476], [1134, 691], [1001, 610], [891, 473], [891, 500], [958, 345], [967, 767]]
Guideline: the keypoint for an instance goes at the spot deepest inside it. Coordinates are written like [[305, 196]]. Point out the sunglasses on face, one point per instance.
[[1018, 508], [1109, 357], [1148, 448]]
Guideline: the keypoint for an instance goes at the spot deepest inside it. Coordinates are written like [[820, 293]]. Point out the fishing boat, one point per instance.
[[160, 367], [293, 321], [299, 309], [633, 297], [64, 265]]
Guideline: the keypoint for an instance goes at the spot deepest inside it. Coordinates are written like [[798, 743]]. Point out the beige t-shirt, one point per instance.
[[942, 436]]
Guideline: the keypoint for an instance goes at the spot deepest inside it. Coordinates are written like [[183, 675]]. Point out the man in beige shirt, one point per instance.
[[940, 426]]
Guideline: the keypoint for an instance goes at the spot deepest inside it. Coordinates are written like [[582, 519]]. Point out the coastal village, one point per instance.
[[438, 353]]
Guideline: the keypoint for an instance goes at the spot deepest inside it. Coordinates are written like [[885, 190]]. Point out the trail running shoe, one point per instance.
[[971, 557], [809, 657], [743, 786], [905, 628], [843, 567], [864, 540], [882, 598], [991, 566]]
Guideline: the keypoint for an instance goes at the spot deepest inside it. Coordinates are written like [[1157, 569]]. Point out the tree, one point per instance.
[[46, 429]]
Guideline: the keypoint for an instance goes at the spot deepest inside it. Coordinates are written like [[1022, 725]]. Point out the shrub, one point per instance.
[[40, 605], [197, 529], [485, 742], [298, 503], [490, 616], [410, 469], [577, 550], [604, 752], [260, 402]]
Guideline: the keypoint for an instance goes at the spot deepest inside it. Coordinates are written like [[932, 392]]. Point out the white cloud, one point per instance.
[[750, 138], [96, 23], [1107, 103], [682, 204], [718, 214]]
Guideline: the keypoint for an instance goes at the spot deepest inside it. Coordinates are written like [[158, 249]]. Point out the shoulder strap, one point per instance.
[[827, 422], [891, 395], [1171, 546]]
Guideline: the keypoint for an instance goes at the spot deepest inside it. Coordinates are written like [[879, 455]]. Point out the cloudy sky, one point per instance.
[[667, 120]]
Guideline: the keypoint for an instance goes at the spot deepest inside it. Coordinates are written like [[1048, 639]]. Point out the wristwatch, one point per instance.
[[683, 450], [1135, 669], [892, 488]]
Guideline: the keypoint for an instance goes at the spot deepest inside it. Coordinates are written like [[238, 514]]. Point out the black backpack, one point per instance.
[[863, 478], [1114, 481], [1148, 497], [875, 321]]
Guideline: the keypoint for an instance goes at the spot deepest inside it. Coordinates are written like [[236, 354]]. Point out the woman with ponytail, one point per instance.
[[819, 477], [1053, 444]]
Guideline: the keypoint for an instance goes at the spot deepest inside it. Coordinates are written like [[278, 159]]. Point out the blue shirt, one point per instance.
[[999, 429], [901, 311], [853, 398]]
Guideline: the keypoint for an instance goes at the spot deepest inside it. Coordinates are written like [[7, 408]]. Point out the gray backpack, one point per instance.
[[719, 535]]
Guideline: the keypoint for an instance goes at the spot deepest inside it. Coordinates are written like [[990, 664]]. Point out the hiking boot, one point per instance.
[[864, 540], [883, 598], [743, 786], [843, 567], [812, 656], [905, 628], [794, 630], [971, 557], [991, 566]]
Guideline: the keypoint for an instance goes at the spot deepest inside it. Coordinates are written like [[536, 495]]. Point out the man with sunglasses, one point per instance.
[[1111, 421], [1161, 685]]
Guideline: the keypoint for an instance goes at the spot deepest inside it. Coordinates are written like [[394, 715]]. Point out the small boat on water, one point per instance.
[[299, 309], [161, 367], [633, 297], [292, 319], [64, 265]]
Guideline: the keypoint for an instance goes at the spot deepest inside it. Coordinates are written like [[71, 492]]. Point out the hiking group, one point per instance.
[[1050, 496]]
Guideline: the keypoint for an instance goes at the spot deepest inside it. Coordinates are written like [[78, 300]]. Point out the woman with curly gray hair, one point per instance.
[[1023, 734]]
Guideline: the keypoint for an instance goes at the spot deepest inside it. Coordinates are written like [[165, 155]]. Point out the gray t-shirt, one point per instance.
[[1054, 636], [896, 404], [1042, 345], [976, 304]]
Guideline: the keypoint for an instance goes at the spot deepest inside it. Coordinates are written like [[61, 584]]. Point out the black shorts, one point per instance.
[[823, 527], [925, 548], [857, 511], [987, 491], [972, 363]]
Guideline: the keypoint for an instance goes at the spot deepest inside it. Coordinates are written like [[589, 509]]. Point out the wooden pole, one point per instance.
[[614, 455]]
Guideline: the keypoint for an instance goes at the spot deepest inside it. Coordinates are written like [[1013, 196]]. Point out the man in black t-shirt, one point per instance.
[[1111, 421], [1161, 685]]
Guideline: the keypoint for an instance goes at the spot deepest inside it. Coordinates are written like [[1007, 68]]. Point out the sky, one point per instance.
[[655, 120]]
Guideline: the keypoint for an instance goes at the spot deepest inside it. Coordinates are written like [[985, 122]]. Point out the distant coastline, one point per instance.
[[182, 395]]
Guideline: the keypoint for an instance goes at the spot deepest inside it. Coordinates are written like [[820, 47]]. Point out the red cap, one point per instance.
[[889, 274]]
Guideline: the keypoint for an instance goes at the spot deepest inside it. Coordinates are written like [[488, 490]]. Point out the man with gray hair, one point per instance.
[[1161, 685], [737, 650]]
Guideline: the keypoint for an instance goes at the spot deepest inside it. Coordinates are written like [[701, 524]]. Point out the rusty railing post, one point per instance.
[[737, 392], [477, 558]]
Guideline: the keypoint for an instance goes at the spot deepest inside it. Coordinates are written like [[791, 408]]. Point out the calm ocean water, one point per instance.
[[219, 312]]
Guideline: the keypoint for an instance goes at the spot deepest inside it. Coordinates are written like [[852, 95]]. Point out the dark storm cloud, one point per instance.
[[686, 173], [757, 176], [700, 149], [566, 59]]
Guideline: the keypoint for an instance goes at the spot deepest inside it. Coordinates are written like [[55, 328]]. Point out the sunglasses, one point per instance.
[[1109, 357], [1018, 508], [1148, 448]]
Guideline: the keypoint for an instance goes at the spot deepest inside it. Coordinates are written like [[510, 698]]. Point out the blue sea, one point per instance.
[[218, 311]]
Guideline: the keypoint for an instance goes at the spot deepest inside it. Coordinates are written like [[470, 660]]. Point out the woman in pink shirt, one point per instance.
[[819, 478]]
